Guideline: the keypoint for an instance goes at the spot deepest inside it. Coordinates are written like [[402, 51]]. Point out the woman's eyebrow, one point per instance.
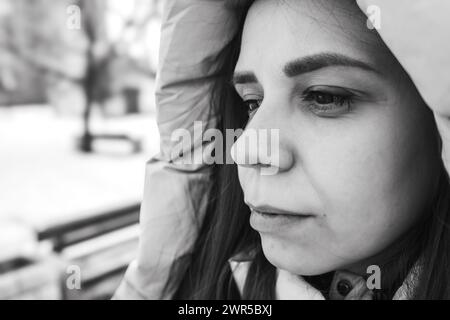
[[322, 60], [307, 64]]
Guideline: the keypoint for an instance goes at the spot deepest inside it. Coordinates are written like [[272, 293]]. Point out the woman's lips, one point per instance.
[[273, 210], [271, 222]]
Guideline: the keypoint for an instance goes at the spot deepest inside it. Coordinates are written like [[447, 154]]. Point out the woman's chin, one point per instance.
[[300, 262]]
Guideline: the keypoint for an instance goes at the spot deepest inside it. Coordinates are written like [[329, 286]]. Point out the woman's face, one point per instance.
[[357, 155]]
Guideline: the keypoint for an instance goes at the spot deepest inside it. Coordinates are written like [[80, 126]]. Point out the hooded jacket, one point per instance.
[[194, 32]]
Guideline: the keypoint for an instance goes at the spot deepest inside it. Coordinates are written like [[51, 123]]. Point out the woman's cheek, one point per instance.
[[351, 174], [443, 124], [369, 187]]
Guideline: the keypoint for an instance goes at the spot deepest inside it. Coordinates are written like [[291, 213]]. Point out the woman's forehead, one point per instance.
[[276, 32], [326, 10]]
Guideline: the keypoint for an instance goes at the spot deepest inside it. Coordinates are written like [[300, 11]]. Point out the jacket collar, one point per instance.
[[293, 287]]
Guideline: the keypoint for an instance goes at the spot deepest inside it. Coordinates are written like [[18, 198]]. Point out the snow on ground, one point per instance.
[[45, 179]]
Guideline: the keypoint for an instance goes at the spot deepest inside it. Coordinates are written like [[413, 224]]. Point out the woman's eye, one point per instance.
[[328, 104], [252, 105]]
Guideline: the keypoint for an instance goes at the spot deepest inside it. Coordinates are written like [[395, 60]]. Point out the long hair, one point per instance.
[[226, 231]]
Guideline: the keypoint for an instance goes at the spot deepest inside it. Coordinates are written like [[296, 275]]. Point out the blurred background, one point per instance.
[[77, 124]]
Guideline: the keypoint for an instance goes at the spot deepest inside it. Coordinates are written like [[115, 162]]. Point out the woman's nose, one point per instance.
[[261, 146]]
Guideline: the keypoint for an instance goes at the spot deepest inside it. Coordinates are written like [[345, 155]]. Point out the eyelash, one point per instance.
[[340, 103]]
